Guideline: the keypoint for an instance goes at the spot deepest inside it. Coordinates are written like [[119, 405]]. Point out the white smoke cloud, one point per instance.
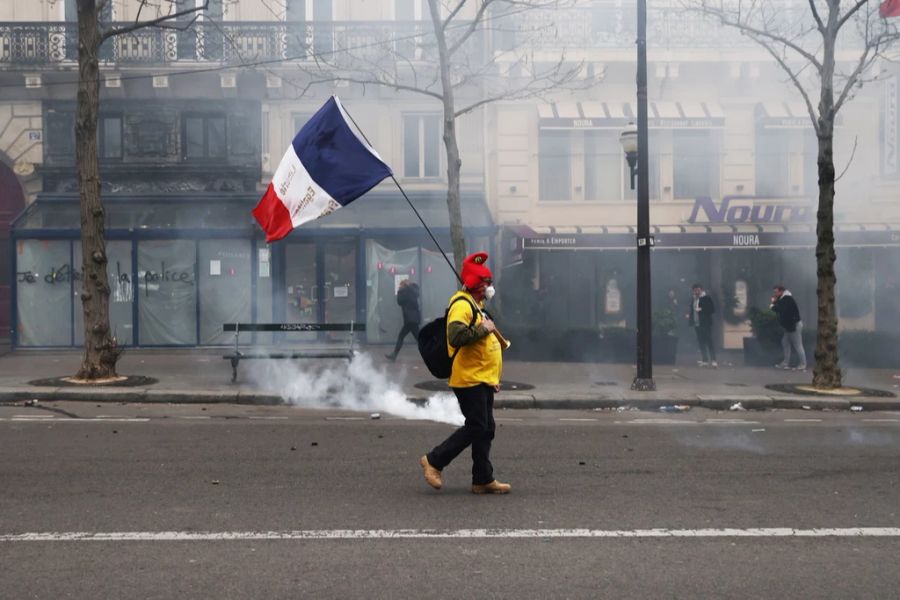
[[357, 386]]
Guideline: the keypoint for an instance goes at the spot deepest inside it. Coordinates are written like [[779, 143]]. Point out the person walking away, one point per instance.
[[408, 299], [702, 309], [474, 378], [784, 305]]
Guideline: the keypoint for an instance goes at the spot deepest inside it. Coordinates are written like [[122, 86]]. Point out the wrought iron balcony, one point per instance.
[[49, 44]]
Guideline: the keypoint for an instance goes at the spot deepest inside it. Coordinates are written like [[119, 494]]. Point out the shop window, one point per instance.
[[121, 293], [204, 137], [44, 280], [695, 161], [555, 164], [225, 289], [811, 165], [421, 146], [167, 292]]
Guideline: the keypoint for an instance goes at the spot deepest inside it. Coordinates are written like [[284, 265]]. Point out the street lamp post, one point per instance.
[[643, 381]]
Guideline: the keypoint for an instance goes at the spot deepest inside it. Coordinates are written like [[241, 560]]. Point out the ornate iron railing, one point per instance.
[[47, 44]]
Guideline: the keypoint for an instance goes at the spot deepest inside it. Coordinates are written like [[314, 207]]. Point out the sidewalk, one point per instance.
[[202, 376]]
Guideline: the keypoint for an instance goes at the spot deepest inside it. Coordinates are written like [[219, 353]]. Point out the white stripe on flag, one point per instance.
[[304, 199]]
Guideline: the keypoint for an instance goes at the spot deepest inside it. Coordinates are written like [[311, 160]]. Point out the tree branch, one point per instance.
[[114, 31], [859, 4], [452, 14], [470, 29], [815, 13], [745, 27], [797, 84]]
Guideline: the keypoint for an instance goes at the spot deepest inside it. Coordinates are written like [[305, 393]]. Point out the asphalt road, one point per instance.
[[140, 501]]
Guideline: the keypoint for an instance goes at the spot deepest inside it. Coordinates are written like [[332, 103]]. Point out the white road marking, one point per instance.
[[33, 416], [729, 422], [195, 417], [77, 420], [661, 421], [379, 534], [882, 420]]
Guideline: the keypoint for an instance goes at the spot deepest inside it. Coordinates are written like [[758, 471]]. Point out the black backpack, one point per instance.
[[433, 343]]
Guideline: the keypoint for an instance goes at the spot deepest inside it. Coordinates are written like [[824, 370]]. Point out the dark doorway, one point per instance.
[[12, 202]]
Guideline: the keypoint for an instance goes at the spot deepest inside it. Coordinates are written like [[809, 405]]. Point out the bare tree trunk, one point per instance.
[[826, 373], [454, 162], [100, 351]]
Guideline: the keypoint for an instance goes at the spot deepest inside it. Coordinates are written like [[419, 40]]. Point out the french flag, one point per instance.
[[327, 166]]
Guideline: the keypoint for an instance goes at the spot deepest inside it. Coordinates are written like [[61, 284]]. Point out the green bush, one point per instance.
[[765, 326], [664, 322]]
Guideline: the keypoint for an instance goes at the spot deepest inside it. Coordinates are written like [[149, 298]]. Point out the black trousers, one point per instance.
[[705, 341], [477, 405], [412, 328]]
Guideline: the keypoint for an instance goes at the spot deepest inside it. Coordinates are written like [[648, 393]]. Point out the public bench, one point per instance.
[[236, 356]]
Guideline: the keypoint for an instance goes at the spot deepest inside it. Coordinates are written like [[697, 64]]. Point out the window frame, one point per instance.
[[205, 118], [420, 118]]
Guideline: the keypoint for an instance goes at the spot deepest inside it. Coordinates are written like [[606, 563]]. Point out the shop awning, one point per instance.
[[616, 115], [212, 212], [785, 115], [704, 237]]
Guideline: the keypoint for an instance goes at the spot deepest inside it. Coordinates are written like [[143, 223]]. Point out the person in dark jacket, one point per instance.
[[700, 317], [408, 299], [784, 305]]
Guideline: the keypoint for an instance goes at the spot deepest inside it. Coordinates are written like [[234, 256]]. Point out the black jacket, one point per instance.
[[707, 308], [787, 311], [408, 299]]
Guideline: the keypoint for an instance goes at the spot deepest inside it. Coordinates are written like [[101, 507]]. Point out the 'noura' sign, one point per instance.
[[749, 209]]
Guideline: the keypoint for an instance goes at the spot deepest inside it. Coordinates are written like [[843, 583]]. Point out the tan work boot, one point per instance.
[[432, 475], [494, 487]]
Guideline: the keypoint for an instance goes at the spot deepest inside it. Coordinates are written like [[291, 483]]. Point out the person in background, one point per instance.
[[700, 317], [408, 299], [474, 378], [784, 305]]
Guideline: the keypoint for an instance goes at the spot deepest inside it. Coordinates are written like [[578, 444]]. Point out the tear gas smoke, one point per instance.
[[358, 386]]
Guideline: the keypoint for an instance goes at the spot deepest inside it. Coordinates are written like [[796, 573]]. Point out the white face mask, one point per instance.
[[489, 292]]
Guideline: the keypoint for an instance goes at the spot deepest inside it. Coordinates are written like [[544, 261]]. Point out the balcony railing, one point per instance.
[[47, 44]]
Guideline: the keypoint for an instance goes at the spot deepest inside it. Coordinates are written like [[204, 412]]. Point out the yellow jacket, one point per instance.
[[480, 361]]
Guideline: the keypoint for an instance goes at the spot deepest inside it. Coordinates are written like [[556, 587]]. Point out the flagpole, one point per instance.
[[408, 201]]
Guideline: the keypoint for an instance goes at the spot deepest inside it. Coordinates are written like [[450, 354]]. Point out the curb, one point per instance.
[[506, 401]]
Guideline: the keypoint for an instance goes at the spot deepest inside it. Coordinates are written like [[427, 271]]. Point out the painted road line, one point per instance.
[[383, 534], [79, 420], [729, 422], [33, 416], [660, 421], [198, 417], [881, 420]]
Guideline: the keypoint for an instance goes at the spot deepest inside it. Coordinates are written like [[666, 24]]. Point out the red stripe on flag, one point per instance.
[[273, 216], [889, 8]]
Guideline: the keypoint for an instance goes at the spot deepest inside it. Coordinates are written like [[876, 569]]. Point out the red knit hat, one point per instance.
[[474, 271]]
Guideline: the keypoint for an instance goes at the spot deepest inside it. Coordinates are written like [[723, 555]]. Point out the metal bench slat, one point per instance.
[[294, 327]]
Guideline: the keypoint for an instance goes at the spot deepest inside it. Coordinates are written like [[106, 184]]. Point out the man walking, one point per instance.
[[784, 305], [474, 378], [702, 309], [408, 299]]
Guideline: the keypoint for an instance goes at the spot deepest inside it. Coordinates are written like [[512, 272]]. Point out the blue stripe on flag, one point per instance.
[[335, 158]]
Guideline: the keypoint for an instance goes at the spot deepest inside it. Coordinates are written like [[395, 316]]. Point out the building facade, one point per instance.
[[193, 123]]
